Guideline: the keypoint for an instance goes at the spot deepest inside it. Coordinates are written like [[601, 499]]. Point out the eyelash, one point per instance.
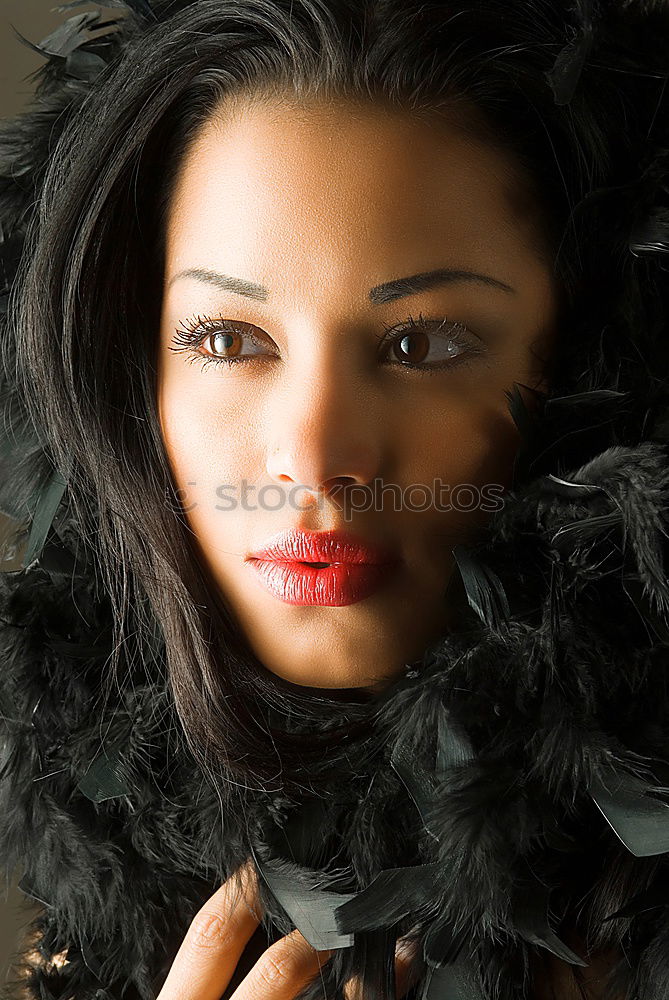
[[193, 333]]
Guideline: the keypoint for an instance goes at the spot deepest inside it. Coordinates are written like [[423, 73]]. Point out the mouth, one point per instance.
[[303, 562], [336, 584], [300, 547], [313, 565]]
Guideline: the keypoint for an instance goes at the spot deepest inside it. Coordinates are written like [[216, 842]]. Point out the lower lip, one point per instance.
[[334, 586]]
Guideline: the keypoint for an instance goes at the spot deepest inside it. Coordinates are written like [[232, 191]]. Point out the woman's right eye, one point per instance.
[[223, 336]]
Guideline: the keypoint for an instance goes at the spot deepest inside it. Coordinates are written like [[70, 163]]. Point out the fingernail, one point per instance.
[[405, 949]]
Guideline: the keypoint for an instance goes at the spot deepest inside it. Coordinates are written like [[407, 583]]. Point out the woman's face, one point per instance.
[[311, 210]]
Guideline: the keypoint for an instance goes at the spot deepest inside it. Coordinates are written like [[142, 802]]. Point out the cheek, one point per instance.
[[179, 427], [209, 449], [460, 437]]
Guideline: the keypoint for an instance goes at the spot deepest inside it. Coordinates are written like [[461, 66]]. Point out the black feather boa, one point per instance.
[[520, 783]]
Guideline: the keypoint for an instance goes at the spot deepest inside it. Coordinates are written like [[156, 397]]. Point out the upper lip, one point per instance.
[[294, 545]]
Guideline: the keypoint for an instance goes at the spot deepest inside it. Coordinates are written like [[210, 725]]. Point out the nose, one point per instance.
[[325, 434]]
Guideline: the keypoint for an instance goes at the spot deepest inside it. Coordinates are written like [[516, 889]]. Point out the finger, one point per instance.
[[215, 940], [283, 970], [405, 973]]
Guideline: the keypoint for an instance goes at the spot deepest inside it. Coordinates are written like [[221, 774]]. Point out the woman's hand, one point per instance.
[[215, 942]]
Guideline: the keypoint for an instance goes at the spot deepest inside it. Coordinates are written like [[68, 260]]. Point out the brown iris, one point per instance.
[[405, 345], [223, 342]]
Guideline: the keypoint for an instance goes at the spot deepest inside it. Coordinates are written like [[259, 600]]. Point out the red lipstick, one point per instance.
[[328, 568]]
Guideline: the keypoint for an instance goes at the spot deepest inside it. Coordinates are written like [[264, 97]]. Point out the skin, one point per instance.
[[318, 203], [213, 951]]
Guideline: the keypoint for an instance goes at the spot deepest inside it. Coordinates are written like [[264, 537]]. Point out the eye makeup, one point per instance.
[[460, 346]]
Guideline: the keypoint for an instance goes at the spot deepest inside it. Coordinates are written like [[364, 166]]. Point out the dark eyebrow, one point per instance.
[[378, 295], [396, 289]]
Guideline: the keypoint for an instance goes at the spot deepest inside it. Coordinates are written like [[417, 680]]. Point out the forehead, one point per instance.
[[344, 179]]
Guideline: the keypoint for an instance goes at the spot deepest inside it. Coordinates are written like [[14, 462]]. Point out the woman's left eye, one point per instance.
[[411, 343], [445, 342]]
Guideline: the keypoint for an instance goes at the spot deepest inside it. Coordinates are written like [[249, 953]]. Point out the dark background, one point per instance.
[[34, 19]]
